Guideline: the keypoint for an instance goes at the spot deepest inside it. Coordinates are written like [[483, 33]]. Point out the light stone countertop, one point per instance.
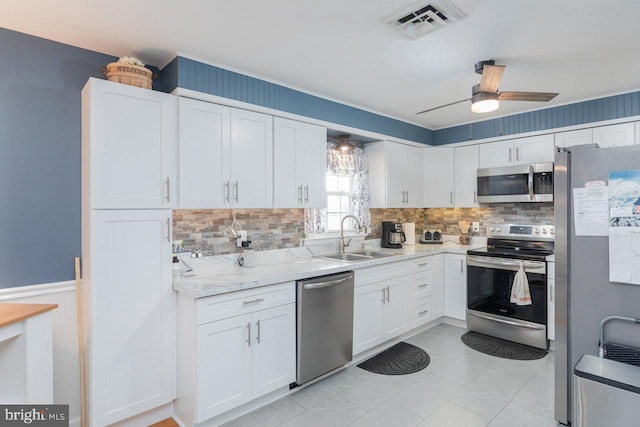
[[221, 274]]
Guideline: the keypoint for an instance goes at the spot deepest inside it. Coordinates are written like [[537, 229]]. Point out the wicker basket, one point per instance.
[[133, 75]]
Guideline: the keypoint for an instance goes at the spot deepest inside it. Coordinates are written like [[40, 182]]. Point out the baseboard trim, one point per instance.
[[37, 290]]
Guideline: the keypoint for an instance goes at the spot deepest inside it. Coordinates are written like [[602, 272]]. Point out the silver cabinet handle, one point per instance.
[[258, 332], [517, 154], [552, 292], [475, 199], [451, 197], [407, 196], [226, 192], [253, 301], [168, 184], [461, 266], [383, 295], [388, 294], [168, 230], [510, 154], [423, 312], [249, 334], [237, 193], [423, 264], [306, 194], [300, 194], [424, 285]]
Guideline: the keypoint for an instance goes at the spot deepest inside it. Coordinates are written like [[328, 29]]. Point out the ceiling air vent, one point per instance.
[[423, 17]]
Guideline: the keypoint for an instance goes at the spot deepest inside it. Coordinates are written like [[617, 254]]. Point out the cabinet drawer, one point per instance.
[[379, 273], [419, 265], [419, 312], [238, 303], [420, 285]]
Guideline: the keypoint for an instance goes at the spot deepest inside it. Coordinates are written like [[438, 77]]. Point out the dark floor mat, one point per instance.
[[400, 359], [501, 348]]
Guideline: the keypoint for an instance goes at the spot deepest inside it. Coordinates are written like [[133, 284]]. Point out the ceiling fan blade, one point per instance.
[[527, 96], [491, 75], [442, 106]]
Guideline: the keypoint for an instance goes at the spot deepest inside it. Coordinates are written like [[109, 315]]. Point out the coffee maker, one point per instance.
[[392, 235]]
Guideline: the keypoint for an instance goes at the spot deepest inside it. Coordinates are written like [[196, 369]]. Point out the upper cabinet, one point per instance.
[[132, 134], [299, 164], [395, 175], [225, 157], [605, 136], [465, 180], [521, 151], [438, 177]]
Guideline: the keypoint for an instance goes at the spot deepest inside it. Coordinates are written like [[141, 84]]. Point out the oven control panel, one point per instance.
[[525, 231]]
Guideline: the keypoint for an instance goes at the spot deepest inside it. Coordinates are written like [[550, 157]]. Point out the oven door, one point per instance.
[[489, 282]]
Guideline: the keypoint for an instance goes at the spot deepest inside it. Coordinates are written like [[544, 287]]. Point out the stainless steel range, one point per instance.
[[490, 276]]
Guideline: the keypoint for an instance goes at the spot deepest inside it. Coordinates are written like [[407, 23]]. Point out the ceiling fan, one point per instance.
[[485, 96]]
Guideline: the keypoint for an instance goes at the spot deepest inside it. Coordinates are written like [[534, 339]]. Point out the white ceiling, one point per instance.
[[341, 49]]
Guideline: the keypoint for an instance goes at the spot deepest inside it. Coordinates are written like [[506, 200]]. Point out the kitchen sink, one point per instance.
[[375, 254], [350, 257]]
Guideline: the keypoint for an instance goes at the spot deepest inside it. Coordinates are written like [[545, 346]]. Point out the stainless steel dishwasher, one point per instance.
[[325, 324]]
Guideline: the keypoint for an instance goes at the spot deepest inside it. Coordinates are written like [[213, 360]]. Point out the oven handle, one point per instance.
[[508, 322], [479, 261]]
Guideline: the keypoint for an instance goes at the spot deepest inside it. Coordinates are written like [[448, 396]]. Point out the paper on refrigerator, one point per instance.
[[591, 209], [624, 226]]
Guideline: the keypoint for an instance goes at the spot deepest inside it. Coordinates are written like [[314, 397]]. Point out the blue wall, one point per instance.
[[596, 110], [40, 83], [194, 75]]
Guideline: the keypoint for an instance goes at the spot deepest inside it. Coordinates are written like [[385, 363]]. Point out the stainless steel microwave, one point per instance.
[[522, 183]]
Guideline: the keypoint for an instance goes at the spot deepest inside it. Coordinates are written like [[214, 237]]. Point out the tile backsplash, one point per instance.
[[202, 230]]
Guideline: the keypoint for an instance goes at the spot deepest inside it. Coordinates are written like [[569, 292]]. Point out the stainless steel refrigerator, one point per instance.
[[584, 295]]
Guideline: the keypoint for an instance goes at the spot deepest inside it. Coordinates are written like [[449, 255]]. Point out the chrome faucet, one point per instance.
[[343, 244]]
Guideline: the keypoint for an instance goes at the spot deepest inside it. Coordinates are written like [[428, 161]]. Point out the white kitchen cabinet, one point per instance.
[[225, 157], [521, 151], [243, 358], [380, 313], [574, 137], [455, 286], [465, 181], [129, 134], [614, 135], [234, 348], [438, 177], [551, 300], [129, 317], [395, 175], [299, 164], [437, 286]]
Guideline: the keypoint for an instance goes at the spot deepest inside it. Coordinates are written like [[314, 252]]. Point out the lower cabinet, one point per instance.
[[380, 313], [455, 292], [245, 351]]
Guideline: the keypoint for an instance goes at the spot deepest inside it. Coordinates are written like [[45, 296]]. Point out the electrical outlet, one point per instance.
[[242, 237], [475, 227]]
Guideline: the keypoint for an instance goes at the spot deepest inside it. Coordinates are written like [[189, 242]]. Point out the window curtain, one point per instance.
[[356, 166]]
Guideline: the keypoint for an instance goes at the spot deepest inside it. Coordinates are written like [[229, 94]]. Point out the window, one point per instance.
[[339, 201]]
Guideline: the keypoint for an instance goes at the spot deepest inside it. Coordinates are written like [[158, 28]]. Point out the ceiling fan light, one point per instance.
[[484, 102], [344, 146]]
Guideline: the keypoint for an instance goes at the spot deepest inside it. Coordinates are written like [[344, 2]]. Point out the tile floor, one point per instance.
[[459, 388]]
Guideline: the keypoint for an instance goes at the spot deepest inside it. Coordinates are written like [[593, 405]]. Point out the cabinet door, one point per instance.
[[203, 155], [534, 149], [496, 154], [412, 176], [455, 286], [314, 166], [367, 317], [574, 137], [130, 134], [437, 177], [274, 349], [223, 366], [437, 286], [132, 321], [287, 171], [396, 175], [395, 319], [614, 135], [465, 182], [251, 159]]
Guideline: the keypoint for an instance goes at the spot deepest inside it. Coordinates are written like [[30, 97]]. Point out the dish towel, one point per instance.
[[520, 294]]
